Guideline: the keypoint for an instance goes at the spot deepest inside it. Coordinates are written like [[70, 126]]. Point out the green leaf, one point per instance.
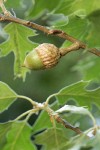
[[84, 143], [77, 143], [75, 26], [94, 36], [4, 128], [89, 68], [94, 142], [7, 96], [41, 6], [57, 20], [18, 42], [72, 6], [81, 26], [66, 7], [12, 4], [79, 93], [42, 122], [18, 138], [52, 139]]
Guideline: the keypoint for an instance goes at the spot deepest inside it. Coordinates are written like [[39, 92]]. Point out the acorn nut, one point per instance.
[[42, 57]]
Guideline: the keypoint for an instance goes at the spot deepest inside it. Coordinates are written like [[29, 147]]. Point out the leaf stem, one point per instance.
[[29, 112], [22, 115], [93, 119], [48, 99], [29, 99]]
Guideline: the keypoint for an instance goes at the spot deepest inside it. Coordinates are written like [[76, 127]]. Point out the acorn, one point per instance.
[[42, 57]]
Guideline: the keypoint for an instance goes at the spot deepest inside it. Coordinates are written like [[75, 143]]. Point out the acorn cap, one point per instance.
[[42, 57]]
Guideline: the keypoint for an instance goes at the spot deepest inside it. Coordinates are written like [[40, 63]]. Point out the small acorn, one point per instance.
[[42, 57]]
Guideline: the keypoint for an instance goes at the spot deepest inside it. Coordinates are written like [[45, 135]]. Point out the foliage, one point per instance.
[[17, 43], [76, 78]]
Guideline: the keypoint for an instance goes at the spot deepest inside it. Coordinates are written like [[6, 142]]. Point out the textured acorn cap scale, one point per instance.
[[42, 57]]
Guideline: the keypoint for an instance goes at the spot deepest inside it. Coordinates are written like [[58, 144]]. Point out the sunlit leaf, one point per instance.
[[18, 42], [11, 4], [72, 6], [84, 23], [18, 137], [80, 94], [65, 6], [7, 96]]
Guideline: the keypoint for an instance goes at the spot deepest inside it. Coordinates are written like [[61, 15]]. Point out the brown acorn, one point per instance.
[[42, 57]]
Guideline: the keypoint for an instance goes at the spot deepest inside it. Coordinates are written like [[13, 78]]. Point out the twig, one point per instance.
[[76, 46], [66, 124], [94, 51], [44, 106], [58, 33], [51, 112]]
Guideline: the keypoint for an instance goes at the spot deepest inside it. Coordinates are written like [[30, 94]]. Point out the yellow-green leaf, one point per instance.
[[18, 42], [18, 137], [7, 96]]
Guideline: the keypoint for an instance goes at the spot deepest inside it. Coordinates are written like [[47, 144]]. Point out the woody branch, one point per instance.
[[77, 44]]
